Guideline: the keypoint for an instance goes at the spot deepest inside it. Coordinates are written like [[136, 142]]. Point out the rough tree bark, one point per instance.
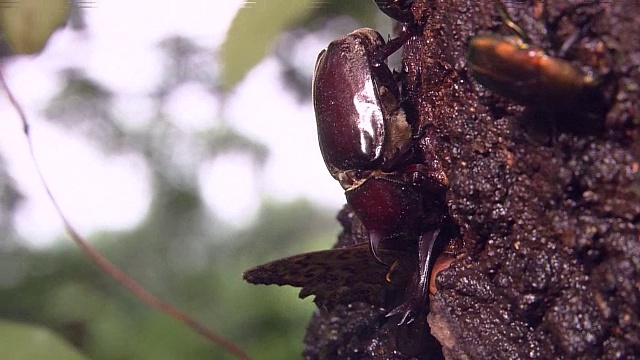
[[547, 202]]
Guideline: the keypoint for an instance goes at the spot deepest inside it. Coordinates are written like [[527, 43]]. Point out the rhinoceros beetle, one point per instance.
[[375, 153]]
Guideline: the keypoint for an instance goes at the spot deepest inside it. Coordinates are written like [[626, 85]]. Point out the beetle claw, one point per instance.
[[408, 314], [374, 242]]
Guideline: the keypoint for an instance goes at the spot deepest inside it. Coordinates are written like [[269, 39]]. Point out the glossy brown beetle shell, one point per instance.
[[387, 206], [356, 99]]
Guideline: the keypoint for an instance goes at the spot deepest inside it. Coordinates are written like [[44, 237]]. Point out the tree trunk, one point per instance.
[[547, 201]]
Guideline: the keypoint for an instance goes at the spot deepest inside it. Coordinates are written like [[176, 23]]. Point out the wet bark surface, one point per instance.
[[547, 201]]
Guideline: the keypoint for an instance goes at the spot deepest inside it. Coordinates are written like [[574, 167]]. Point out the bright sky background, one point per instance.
[[120, 50]]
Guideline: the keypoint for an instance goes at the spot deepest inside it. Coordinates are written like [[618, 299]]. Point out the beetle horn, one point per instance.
[[417, 295]]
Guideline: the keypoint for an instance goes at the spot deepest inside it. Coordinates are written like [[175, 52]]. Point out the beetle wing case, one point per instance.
[[356, 101]]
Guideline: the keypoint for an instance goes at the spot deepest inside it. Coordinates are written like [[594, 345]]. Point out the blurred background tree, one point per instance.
[[183, 250]]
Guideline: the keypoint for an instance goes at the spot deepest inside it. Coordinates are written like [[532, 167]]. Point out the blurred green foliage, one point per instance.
[[24, 342], [180, 252], [257, 26], [62, 290]]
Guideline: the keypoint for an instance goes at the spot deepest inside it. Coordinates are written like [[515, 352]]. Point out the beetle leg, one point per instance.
[[506, 19], [392, 268], [418, 292], [432, 179], [394, 44]]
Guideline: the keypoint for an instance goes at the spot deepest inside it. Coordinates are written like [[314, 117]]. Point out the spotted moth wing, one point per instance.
[[336, 276]]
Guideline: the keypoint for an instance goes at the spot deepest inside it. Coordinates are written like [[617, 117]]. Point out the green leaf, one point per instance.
[[28, 24], [25, 342], [253, 31]]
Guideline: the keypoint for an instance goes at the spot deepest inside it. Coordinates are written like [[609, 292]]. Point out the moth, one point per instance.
[[341, 275]]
